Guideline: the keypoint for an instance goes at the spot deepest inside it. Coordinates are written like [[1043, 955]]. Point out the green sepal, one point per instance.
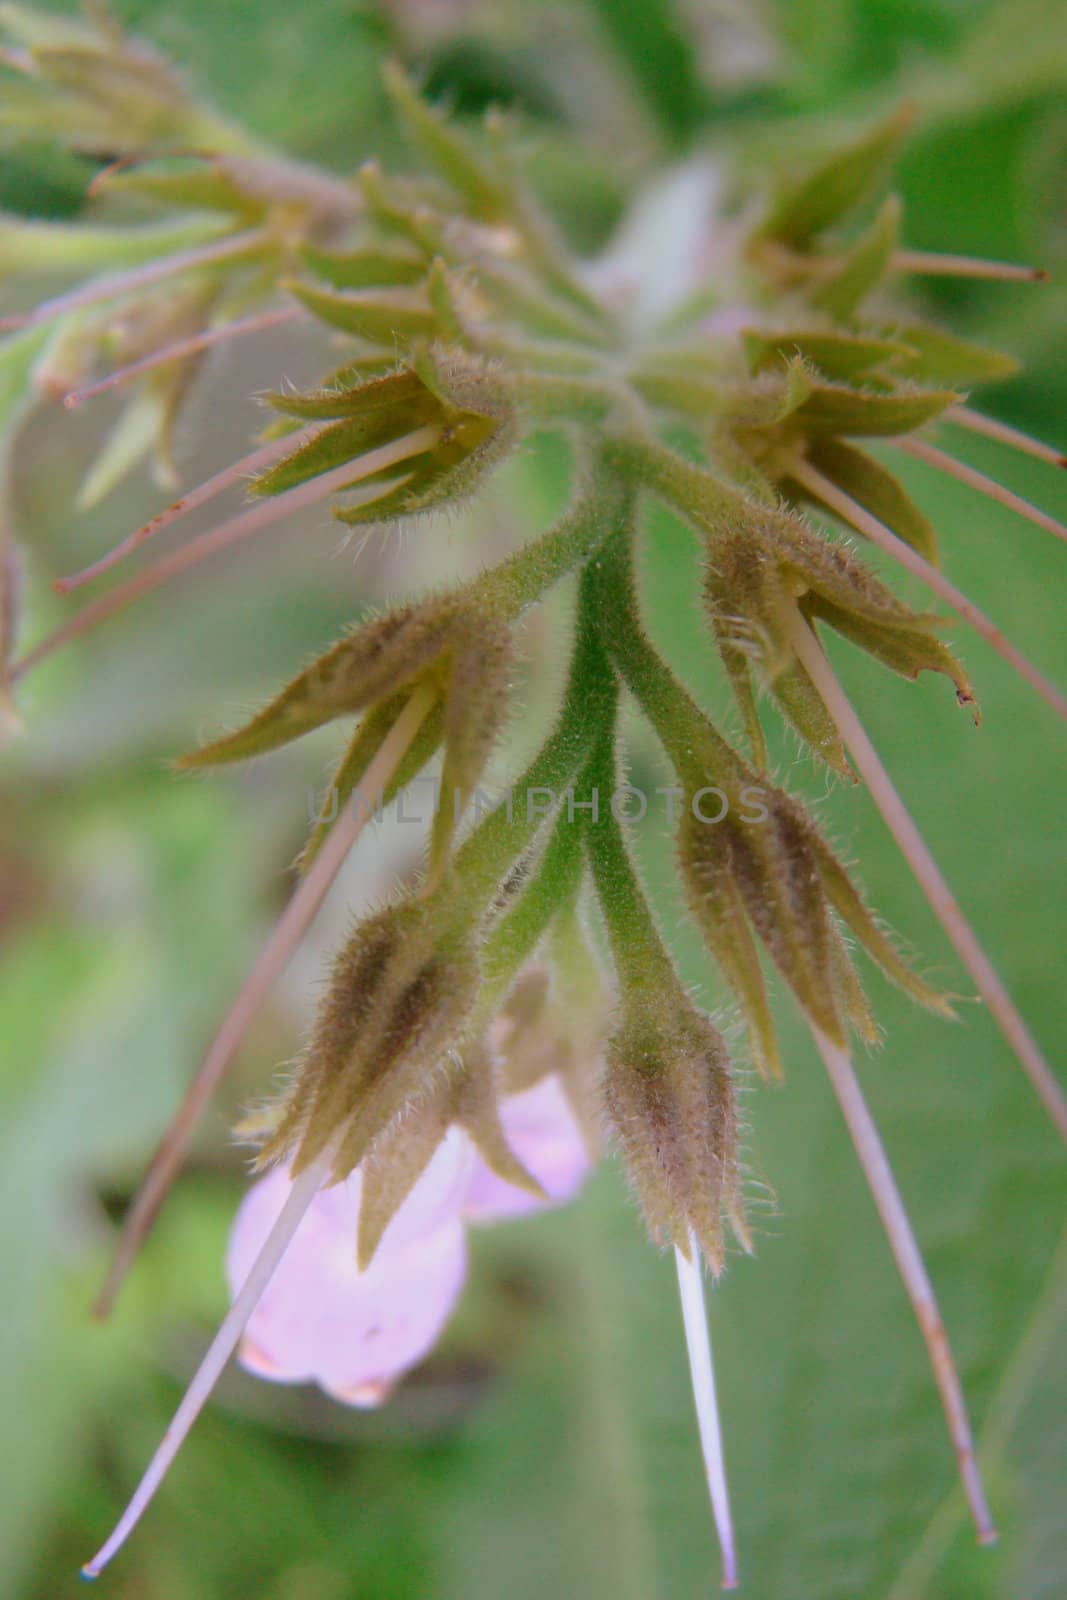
[[907, 649], [862, 267], [381, 316], [331, 447], [440, 477], [933, 356], [401, 393], [841, 183], [209, 185], [873, 487], [830, 409], [363, 747], [833, 353], [378, 268], [445, 150]]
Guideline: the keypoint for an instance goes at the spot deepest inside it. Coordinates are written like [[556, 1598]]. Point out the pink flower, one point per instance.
[[320, 1319], [541, 1129]]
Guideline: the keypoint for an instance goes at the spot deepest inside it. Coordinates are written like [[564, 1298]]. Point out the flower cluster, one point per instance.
[[464, 324]]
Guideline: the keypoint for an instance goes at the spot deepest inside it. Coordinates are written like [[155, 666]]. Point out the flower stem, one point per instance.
[[304, 1189], [912, 1269], [702, 1373], [265, 972], [929, 876]]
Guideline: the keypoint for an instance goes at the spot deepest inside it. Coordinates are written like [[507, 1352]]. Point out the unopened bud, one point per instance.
[[398, 1001], [669, 1102]]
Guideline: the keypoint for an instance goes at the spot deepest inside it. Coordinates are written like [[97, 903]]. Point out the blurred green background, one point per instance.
[[548, 1447]]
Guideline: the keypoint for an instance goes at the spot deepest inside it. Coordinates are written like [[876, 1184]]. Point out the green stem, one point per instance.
[[484, 862], [693, 744], [690, 490], [559, 397], [520, 930], [508, 589], [638, 951]]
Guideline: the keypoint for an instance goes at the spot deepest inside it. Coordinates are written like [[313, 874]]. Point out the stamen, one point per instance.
[[237, 472], [928, 875], [912, 1269], [990, 428], [182, 348], [978, 480], [702, 1373], [858, 517], [304, 1189], [98, 289], [933, 264], [266, 970], [263, 515]]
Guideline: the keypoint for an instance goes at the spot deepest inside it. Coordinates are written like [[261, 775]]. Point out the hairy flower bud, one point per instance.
[[669, 1102], [450, 648], [765, 568], [450, 410], [775, 876], [397, 1003]]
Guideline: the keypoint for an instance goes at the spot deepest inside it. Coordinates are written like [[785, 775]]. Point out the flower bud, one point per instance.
[[453, 408], [776, 877], [669, 1103], [450, 647], [397, 1003], [765, 568]]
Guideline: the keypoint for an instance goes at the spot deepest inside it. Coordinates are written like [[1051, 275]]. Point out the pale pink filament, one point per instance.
[[851, 512], [225, 1342], [912, 1270], [182, 348], [978, 480], [929, 877], [267, 968], [253, 520], [1014, 438]]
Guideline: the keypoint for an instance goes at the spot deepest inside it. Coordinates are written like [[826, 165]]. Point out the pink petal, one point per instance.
[[320, 1319], [541, 1129], [437, 1197]]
